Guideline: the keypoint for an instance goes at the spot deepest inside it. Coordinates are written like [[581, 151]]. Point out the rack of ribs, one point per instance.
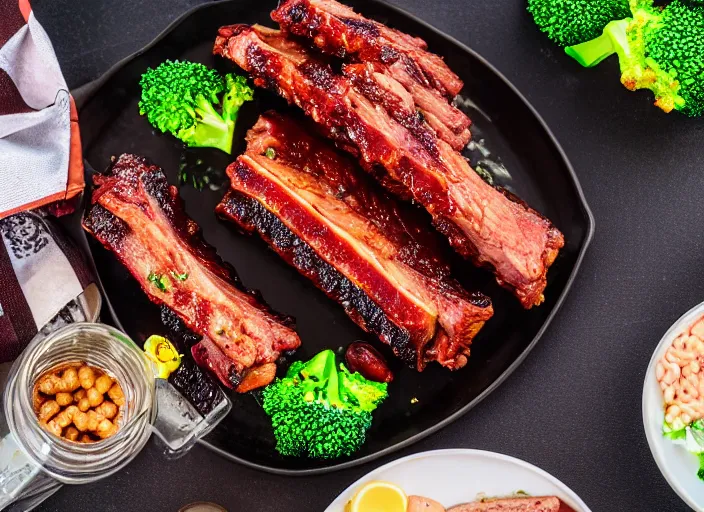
[[336, 226], [393, 62], [486, 224], [137, 215]]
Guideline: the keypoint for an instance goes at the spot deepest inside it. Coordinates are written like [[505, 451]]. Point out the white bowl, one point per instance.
[[678, 466], [459, 476]]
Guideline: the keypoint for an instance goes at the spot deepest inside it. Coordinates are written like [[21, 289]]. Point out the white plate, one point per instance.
[[459, 476], [678, 466]]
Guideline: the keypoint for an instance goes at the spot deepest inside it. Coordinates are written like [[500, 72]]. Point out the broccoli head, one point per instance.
[[568, 22], [180, 97], [320, 409], [658, 49]]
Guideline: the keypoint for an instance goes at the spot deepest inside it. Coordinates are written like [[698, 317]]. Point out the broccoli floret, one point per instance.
[[568, 22], [180, 97], [320, 409], [658, 49]]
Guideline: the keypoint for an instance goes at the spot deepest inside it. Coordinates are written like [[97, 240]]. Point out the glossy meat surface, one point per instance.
[[336, 29], [393, 64], [324, 216], [523, 504], [138, 216], [440, 119], [483, 223]]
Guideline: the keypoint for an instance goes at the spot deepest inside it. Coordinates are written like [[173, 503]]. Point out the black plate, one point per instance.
[[531, 164]]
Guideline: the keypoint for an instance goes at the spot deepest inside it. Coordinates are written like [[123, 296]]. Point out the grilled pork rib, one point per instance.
[[524, 504], [336, 29], [378, 87], [324, 216], [481, 222], [138, 216], [394, 61]]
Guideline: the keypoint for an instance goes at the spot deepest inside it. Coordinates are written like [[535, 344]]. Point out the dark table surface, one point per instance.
[[574, 407]]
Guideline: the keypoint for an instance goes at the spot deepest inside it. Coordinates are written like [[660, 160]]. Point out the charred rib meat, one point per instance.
[[325, 217], [138, 216], [338, 30], [395, 64], [483, 223]]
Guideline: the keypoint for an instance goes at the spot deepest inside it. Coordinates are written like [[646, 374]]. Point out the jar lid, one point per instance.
[[202, 506]]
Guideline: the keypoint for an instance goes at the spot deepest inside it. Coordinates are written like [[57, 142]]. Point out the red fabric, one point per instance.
[[17, 325], [11, 19], [11, 101], [25, 9], [76, 182]]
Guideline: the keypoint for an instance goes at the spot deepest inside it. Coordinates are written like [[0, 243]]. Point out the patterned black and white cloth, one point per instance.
[[45, 283], [43, 277]]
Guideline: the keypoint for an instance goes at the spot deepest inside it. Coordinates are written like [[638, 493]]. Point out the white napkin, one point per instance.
[[36, 133]]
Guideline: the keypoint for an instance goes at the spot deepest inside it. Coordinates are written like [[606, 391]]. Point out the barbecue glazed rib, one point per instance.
[[392, 57], [446, 122], [483, 223], [336, 29], [138, 216], [325, 217], [525, 504]]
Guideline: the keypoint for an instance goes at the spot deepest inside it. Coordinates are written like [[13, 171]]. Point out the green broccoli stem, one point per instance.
[[321, 381], [626, 38], [613, 40], [212, 130], [314, 370], [321, 410], [331, 393]]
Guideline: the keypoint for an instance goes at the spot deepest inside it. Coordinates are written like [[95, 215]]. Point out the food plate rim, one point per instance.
[[677, 327], [573, 496], [84, 93]]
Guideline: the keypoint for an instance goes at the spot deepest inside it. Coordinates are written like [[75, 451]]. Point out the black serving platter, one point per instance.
[[512, 142]]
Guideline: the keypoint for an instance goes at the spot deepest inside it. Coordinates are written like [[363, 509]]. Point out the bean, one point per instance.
[[103, 384], [87, 377], [95, 397], [64, 399], [47, 410], [365, 359], [680, 376]]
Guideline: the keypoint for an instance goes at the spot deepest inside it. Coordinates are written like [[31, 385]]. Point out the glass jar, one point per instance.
[[96, 345], [34, 462]]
